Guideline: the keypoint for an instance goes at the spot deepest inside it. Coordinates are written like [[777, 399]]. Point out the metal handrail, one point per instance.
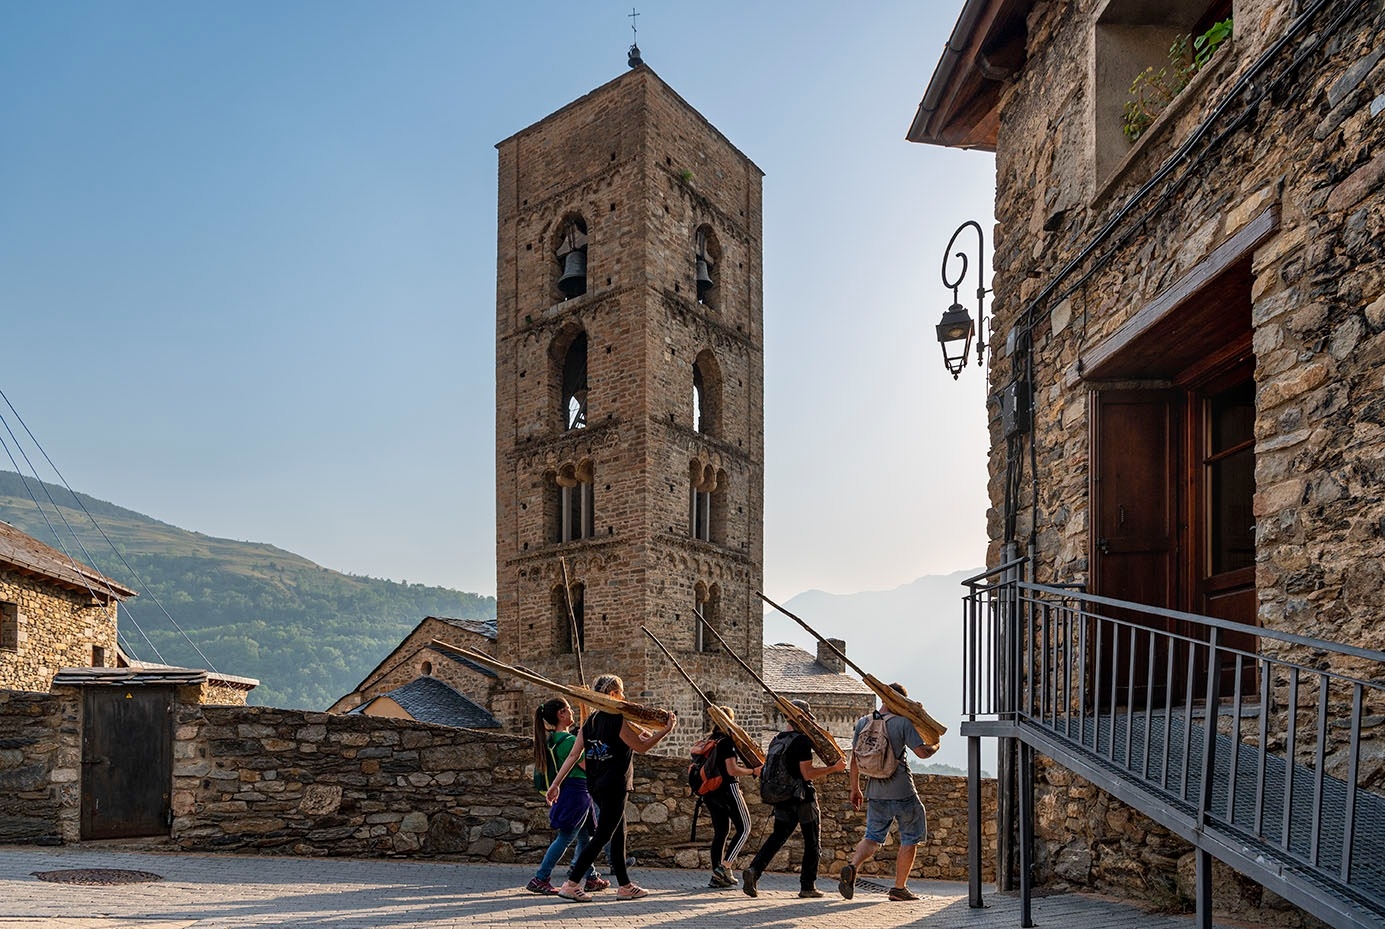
[[1246, 741]]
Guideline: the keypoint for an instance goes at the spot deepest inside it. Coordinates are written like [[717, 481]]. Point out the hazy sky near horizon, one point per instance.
[[247, 266]]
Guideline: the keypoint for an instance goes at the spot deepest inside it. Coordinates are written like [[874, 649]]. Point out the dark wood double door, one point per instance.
[[1172, 488]]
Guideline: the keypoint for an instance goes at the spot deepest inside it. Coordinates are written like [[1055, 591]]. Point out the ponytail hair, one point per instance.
[[730, 716], [545, 718]]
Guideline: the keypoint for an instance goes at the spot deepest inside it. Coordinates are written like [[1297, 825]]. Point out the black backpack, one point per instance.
[[779, 783]]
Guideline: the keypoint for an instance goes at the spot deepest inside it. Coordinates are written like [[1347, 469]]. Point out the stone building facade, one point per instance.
[[54, 613], [415, 657], [629, 400], [837, 699], [1188, 333]]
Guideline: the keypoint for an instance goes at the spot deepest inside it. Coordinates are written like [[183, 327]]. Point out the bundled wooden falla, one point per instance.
[[822, 740], [647, 717], [929, 729]]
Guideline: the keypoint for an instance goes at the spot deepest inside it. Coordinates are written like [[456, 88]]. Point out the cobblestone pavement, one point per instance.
[[236, 891]]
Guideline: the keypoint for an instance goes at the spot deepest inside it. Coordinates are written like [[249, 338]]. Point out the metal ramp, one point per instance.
[[1269, 781]]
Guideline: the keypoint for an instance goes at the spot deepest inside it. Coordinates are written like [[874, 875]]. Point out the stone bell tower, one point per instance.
[[629, 402]]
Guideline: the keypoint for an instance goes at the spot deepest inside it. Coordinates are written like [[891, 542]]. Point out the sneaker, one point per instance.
[[810, 893], [631, 892], [902, 893], [846, 882], [721, 877], [749, 878], [594, 884], [540, 886], [574, 892]]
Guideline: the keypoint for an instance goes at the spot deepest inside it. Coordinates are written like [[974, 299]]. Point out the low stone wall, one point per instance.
[[38, 767], [267, 780], [260, 779]]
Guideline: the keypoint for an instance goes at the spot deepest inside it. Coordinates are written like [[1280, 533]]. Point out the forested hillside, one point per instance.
[[309, 634]]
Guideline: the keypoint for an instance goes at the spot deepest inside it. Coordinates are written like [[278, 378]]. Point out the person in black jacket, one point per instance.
[[727, 807], [801, 811], [609, 743]]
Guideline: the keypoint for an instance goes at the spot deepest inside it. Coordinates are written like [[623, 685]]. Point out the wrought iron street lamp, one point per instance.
[[956, 330]]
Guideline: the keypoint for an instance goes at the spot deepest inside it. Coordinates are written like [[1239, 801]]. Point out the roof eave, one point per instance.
[[960, 108]]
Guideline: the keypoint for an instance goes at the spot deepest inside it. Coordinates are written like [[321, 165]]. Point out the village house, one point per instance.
[[54, 613], [1185, 350], [59, 620], [419, 681], [838, 700]]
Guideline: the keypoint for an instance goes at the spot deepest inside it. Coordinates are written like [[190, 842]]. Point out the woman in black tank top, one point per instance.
[[609, 743]]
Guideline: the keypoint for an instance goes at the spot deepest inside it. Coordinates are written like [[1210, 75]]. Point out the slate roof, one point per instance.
[[790, 669], [26, 553], [485, 627], [429, 700], [160, 674]]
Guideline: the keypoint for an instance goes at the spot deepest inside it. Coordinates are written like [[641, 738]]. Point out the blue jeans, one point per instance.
[[561, 841]]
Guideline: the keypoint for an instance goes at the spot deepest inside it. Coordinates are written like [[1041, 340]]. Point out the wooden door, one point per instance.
[[1134, 527], [1222, 556], [127, 762]]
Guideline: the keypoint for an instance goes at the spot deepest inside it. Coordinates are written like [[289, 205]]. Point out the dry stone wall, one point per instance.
[[39, 764], [268, 780], [265, 780]]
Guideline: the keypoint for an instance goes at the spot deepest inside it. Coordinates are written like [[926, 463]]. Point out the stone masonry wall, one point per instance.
[[57, 629], [267, 780], [40, 750], [258, 779], [1314, 151]]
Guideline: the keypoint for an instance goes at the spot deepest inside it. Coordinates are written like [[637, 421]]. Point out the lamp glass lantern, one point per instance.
[[957, 329], [954, 335]]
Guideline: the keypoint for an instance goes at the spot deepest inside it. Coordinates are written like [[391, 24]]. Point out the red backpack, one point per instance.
[[703, 774]]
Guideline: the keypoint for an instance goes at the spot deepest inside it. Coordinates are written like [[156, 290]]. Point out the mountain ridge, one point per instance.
[[308, 633]]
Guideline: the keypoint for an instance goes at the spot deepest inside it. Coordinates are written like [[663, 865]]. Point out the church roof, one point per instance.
[[429, 700], [790, 669], [485, 627]]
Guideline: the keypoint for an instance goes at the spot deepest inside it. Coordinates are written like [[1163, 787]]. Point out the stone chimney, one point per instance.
[[828, 659]]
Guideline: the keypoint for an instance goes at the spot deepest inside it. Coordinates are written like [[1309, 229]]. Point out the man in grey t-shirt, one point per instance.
[[890, 800]]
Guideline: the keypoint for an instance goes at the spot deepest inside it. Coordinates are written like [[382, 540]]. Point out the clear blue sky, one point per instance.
[[247, 265]]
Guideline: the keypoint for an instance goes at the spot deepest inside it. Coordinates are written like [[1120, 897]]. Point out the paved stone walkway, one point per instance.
[[237, 891]]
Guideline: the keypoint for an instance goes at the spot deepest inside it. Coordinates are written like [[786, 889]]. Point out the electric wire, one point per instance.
[[23, 478], [1245, 86], [1028, 316], [133, 573]]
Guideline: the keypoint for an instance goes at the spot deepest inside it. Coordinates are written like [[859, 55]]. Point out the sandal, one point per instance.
[[574, 892], [631, 892]]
